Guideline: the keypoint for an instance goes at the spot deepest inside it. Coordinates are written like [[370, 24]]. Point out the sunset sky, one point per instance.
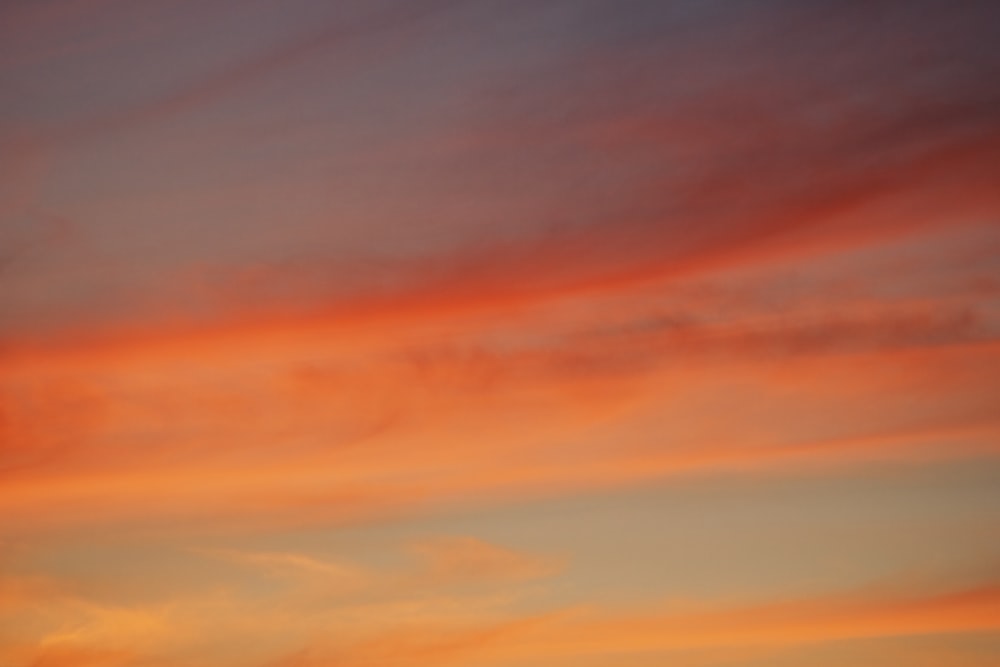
[[499, 333]]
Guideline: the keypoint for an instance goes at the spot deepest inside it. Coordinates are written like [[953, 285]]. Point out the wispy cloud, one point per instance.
[[306, 308], [574, 633]]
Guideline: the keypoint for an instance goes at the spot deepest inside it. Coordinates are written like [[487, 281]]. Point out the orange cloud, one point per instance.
[[471, 559], [426, 615], [310, 424], [570, 634], [461, 257], [451, 580]]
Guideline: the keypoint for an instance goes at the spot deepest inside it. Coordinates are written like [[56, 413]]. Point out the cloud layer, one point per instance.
[[572, 332]]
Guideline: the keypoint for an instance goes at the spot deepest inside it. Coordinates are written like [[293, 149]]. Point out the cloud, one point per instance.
[[321, 422], [50, 621], [302, 492], [629, 173], [18, 592], [809, 621], [469, 559], [296, 566], [394, 20], [425, 614], [683, 636], [452, 580], [437, 564], [407, 259], [80, 657]]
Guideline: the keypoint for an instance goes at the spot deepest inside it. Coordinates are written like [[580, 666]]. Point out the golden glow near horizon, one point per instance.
[[483, 334]]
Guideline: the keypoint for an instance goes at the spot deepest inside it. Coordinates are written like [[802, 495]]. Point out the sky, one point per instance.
[[499, 333]]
